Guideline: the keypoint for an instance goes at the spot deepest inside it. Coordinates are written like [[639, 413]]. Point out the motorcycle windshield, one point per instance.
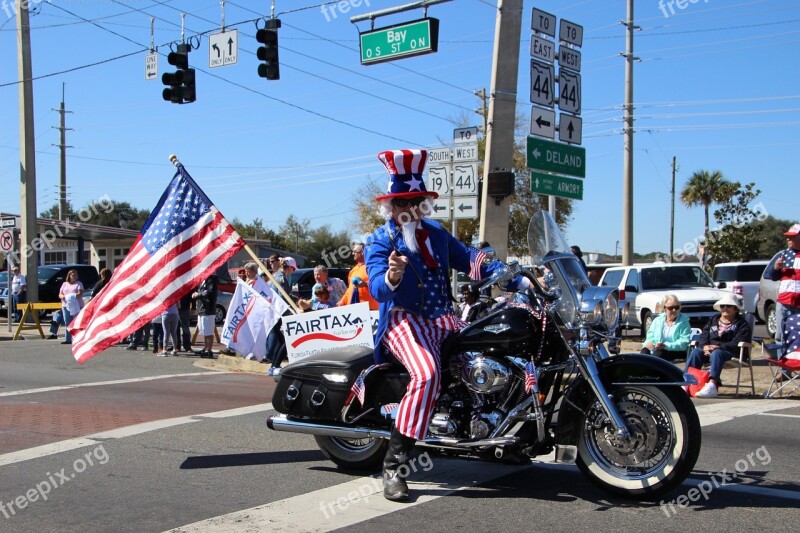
[[562, 270]]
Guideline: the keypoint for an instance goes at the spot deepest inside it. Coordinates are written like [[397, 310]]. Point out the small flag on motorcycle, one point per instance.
[[531, 384]]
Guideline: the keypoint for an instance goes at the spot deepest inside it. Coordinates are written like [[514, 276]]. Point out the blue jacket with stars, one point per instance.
[[422, 290]]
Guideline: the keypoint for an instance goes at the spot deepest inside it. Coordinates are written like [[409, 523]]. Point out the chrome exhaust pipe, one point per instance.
[[281, 423]]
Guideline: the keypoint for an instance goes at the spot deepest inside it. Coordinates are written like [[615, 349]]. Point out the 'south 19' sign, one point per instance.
[[319, 331]]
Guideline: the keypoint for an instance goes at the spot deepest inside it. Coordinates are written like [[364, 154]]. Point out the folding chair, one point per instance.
[[744, 360], [784, 368]]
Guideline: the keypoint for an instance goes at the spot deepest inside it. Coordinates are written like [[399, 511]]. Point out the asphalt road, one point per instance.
[[133, 442]]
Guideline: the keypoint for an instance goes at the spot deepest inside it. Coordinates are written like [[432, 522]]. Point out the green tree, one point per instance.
[[735, 239], [769, 236], [295, 232], [52, 212], [705, 188], [118, 215], [324, 247]]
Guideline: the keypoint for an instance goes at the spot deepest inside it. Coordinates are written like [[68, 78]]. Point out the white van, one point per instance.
[[741, 279]]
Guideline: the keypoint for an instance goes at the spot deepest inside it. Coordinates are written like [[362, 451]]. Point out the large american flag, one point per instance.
[[183, 242]]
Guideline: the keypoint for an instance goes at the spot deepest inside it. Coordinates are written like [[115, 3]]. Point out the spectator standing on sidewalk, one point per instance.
[[184, 317], [71, 296], [169, 323], [577, 251], [19, 291], [358, 282], [276, 343], [105, 277], [336, 287], [206, 297], [786, 270]]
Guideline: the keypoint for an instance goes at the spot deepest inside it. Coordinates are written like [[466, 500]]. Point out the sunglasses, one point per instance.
[[405, 202], [672, 307], [722, 306]]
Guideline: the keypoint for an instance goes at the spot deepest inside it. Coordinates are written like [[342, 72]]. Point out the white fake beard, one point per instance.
[[410, 235]]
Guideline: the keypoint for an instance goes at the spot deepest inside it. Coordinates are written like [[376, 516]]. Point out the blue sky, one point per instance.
[[718, 86]]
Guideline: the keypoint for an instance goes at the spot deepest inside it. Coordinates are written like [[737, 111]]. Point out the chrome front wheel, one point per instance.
[[660, 452]]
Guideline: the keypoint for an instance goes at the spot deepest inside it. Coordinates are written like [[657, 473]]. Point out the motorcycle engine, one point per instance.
[[484, 375]]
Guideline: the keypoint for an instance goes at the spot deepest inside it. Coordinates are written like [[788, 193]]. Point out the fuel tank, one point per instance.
[[510, 330]]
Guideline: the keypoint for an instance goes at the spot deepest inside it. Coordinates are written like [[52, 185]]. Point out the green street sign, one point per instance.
[[556, 185], [556, 157], [398, 41]]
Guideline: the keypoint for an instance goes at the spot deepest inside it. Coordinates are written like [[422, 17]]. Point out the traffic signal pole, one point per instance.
[[27, 153], [500, 124]]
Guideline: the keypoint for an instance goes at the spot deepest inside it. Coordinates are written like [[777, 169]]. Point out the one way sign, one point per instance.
[[543, 122]]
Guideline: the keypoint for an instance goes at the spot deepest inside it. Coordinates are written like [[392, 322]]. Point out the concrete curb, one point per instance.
[[232, 363]]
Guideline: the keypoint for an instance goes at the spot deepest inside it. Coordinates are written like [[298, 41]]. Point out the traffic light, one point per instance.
[[181, 82], [268, 53]]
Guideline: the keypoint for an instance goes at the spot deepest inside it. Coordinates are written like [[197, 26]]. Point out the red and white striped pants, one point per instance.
[[416, 342]]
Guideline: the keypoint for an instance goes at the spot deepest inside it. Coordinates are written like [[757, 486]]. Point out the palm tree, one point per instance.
[[705, 188]]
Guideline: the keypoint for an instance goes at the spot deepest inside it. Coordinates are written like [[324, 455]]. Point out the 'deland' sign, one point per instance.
[[556, 157], [399, 41]]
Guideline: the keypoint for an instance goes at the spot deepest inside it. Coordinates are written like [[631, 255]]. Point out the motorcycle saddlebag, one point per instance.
[[317, 386]]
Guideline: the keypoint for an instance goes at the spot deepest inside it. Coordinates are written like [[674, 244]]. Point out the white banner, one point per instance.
[[249, 320], [319, 331]]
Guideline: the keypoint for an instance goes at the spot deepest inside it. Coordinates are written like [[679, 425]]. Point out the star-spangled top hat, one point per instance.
[[405, 174]]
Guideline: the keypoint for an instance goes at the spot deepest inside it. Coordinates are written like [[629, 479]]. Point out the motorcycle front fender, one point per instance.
[[620, 370]]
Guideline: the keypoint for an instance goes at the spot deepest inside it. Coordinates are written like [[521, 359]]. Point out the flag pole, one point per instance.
[[174, 160]]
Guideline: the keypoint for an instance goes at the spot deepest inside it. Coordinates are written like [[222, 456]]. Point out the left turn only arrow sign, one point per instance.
[[223, 48]]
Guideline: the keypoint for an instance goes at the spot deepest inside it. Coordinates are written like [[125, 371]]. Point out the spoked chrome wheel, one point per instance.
[[354, 454], [660, 451]]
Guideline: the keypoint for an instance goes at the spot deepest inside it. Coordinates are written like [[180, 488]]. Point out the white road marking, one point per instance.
[[119, 433], [779, 414], [362, 499], [99, 383], [716, 413]]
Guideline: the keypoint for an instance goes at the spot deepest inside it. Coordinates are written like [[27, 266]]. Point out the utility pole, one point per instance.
[[500, 124], [62, 187], [484, 110], [27, 152], [672, 214], [627, 172]]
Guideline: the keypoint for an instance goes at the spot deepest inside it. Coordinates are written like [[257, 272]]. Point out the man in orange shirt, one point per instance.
[[357, 281]]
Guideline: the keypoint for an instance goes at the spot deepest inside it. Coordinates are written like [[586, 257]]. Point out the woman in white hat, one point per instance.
[[719, 342]]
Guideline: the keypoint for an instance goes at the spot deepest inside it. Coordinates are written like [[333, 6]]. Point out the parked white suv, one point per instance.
[[644, 286], [741, 279]]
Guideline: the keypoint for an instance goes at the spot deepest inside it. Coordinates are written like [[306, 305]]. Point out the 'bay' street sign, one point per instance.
[[556, 186], [398, 41], [554, 157]]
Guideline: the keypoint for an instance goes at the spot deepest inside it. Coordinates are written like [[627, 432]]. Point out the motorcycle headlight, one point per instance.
[[610, 311], [591, 312]]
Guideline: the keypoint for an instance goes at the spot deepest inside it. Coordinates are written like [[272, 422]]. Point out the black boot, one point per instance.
[[394, 483]]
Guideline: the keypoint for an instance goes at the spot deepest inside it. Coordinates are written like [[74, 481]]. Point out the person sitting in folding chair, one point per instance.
[[789, 364], [719, 342]]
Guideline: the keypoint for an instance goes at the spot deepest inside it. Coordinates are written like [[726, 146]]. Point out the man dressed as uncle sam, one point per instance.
[[408, 263]]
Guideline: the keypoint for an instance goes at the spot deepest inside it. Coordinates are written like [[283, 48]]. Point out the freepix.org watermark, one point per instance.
[[10, 6], [63, 228], [705, 488], [331, 10], [54, 480], [373, 486], [667, 7]]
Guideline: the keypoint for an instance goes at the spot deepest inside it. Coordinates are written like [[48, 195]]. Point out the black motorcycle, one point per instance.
[[534, 376]]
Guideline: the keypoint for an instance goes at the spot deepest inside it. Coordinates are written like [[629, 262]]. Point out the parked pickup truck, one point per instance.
[[644, 286]]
